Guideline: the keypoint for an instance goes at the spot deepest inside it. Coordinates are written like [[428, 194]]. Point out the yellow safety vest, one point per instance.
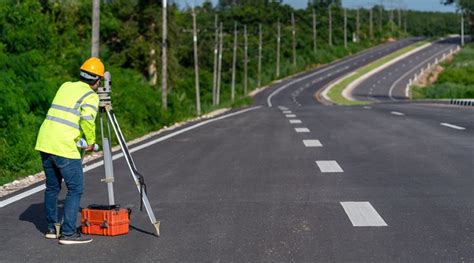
[[72, 115]]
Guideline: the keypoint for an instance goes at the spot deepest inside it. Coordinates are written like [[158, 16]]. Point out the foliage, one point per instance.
[[456, 81]]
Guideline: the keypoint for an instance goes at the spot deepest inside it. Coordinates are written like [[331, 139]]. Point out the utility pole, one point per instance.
[[406, 18], [214, 75], [95, 28], [219, 65], [234, 60], [345, 28], [278, 49], [294, 38], [164, 59], [196, 65], [392, 23], [315, 45], [330, 26], [358, 24], [462, 27], [380, 18], [371, 26], [399, 18], [259, 82], [245, 60]]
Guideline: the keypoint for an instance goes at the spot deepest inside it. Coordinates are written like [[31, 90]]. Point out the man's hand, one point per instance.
[[89, 148]]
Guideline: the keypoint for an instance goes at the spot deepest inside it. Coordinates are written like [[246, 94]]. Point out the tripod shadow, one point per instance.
[[142, 231]]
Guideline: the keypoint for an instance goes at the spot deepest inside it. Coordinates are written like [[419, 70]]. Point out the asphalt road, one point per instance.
[[390, 83], [381, 183]]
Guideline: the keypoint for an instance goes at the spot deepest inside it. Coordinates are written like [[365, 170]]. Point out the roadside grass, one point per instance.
[[335, 93], [456, 81]]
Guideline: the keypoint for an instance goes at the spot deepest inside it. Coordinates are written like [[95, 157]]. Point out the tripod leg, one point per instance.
[[131, 165], [109, 169]]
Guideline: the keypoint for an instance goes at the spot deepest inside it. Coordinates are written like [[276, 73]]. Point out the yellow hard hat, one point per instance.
[[93, 66]]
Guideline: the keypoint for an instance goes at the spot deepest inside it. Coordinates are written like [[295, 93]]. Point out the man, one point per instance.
[[71, 116]]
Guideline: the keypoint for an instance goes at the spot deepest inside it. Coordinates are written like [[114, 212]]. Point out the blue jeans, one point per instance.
[[57, 168]]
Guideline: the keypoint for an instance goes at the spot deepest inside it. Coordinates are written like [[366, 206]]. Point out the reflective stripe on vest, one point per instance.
[[87, 118], [62, 121], [79, 101], [66, 109], [89, 106]]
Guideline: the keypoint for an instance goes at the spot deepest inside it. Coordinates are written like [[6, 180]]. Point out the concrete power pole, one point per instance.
[[196, 65], [260, 36], [406, 18], [380, 18], [246, 61], [358, 25], [392, 21], [278, 49], [234, 61], [462, 27], [399, 18], [164, 59], [371, 25], [95, 28], [345, 27], [219, 65], [294, 38], [214, 75], [315, 44], [330, 26]]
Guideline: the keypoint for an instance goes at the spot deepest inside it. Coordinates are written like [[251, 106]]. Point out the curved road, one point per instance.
[[390, 83], [295, 182]]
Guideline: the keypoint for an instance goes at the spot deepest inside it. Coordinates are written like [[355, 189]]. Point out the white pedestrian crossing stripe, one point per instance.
[[295, 121], [362, 214], [312, 143], [300, 130], [329, 167], [290, 115]]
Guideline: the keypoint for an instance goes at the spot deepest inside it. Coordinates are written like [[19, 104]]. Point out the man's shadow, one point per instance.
[[35, 214]]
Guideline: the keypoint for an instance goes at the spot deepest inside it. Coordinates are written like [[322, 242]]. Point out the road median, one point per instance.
[[339, 91]]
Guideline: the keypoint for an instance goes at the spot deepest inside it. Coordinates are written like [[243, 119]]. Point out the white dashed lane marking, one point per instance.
[[367, 107], [312, 143], [287, 112], [290, 115], [362, 214], [295, 121], [397, 113], [452, 126], [301, 129], [329, 167]]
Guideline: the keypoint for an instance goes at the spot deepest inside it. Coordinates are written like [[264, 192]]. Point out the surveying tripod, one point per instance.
[[107, 115]]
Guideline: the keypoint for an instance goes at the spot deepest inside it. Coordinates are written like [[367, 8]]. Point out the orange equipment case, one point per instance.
[[105, 220]]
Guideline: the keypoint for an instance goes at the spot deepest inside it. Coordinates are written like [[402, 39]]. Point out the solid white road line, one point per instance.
[[301, 129], [390, 93], [290, 115], [329, 167], [452, 126], [287, 112], [362, 214], [295, 121], [134, 149], [397, 113], [312, 143]]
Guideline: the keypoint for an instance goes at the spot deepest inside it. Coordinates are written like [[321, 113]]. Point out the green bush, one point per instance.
[[456, 81]]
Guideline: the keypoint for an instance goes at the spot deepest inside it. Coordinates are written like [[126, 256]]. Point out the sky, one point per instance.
[[423, 5]]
